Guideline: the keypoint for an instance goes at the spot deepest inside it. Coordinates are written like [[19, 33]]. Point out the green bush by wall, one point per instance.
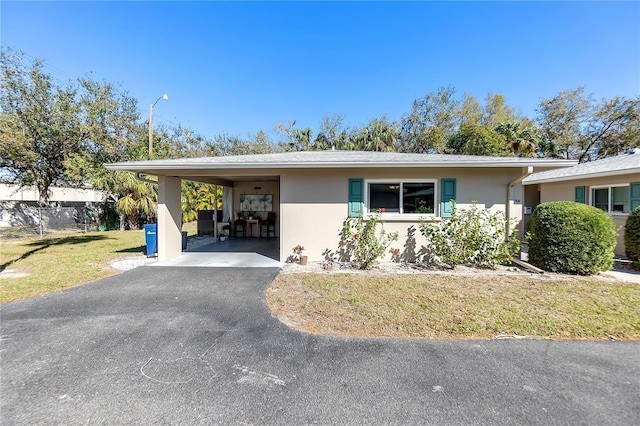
[[632, 236], [569, 237]]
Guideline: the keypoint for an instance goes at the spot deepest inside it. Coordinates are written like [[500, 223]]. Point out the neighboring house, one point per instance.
[[611, 184], [312, 193], [19, 205]]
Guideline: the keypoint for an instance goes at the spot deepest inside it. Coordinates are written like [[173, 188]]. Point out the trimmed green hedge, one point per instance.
[[569, 237], [632, 235]]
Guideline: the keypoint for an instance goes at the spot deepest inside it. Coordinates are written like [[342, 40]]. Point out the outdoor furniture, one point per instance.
[[268, 225], [250, 224], [224, 230], [240, 227]]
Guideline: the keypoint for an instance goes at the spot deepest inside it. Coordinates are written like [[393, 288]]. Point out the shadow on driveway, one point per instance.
[[199, 345]]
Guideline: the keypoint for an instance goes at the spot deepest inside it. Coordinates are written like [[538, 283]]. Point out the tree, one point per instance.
[[435, 124], [496, 111], [40, 125], [53, 133], [473, 139], [138, 201], [378, 135], [521, 137], [195, 197], [574, 126], [470, 110], [614, 129], [110, 121], [432, 121], [332, 134]]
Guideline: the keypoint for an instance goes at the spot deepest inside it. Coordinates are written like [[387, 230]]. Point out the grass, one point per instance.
[[426, 305], [63, 261], [442, 306]]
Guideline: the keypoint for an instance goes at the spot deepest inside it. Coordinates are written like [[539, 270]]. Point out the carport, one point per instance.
[[241, 179]]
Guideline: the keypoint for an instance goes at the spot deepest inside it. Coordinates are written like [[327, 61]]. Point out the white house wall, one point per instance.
[[169, 218], [313, 202], [13, 192]]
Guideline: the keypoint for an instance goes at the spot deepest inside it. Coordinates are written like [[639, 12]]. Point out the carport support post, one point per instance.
[[169, 218]]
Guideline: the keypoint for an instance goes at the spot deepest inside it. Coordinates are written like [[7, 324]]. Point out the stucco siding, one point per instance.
[[13, 192], [313, 203], [565, 191]]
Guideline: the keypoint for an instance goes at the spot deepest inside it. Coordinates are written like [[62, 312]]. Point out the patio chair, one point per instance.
[[240, 227], [268, 225]]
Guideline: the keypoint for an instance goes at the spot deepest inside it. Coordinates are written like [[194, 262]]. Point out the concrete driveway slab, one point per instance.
[[222, 260], [165, 345]]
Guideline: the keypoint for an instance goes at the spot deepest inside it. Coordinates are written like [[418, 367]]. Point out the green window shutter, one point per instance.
[[634, 195], [447, 193], [356, 197], [580, 194]]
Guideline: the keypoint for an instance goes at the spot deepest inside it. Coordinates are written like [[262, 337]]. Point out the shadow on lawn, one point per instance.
[[138, 249], [44, 244]]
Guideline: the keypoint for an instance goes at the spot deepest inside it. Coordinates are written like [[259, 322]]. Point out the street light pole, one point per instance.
[[165, 96]]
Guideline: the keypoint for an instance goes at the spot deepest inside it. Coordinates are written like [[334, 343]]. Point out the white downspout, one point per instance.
[[509, 187]]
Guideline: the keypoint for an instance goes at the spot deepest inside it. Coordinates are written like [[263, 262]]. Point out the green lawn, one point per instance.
[[56, 263], [450, 306], [421, 305]]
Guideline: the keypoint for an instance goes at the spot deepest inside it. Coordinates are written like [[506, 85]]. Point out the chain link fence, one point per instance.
[[28, 220]]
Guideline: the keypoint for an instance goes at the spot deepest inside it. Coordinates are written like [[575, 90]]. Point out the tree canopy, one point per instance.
[[60, 133], [54, 132]]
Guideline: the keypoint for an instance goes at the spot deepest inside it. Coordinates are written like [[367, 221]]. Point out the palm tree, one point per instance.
[[197, 197], [139, 202], [378, 135], [521, 137]]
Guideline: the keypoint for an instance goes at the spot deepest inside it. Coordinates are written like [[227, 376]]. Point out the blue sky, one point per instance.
[[240, 67]]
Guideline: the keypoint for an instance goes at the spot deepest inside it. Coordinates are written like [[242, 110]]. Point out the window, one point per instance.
[[612, 199], [401, 197]]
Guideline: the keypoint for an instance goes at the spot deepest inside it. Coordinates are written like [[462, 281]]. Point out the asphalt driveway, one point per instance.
[[161, 345]]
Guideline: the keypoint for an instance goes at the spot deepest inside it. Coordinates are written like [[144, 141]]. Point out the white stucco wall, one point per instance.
[[12, 192], [313, 203], [169, 218]]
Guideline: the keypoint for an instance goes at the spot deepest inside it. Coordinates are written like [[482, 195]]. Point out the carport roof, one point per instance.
[[332, 159]]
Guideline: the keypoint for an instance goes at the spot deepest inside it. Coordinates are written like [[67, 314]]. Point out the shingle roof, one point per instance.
[[338, 159], [627, 163]]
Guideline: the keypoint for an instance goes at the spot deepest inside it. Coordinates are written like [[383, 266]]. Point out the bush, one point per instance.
[[473, 236], [632, 236], [361, 241], [570, 237]]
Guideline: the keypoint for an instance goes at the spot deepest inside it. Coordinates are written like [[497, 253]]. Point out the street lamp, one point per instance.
[[165, 96]]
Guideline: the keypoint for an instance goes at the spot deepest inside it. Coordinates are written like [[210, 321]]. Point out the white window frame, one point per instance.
[[401, 214], [610, 195]]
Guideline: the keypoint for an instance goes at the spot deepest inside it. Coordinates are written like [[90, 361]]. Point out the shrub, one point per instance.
[[570, 237], [360, 240], [473, 236], [632, 236]]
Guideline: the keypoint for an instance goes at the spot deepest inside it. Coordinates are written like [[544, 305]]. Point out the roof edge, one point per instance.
[[531, 180], [171, 165]]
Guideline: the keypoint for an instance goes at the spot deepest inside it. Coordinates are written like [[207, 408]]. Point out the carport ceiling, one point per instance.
[[228, 180]]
